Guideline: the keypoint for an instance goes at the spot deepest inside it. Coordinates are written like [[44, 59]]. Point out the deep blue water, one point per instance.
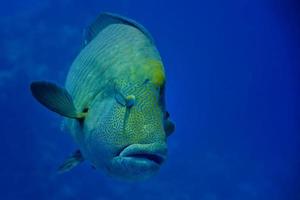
[[232, 90]]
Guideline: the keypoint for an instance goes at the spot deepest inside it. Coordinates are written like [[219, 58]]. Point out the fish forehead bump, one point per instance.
[[155, 71]]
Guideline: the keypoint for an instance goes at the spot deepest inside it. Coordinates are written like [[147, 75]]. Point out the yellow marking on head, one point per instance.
[[155, 71]]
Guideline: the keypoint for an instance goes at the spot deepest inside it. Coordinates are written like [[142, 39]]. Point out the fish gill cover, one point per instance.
[[233, 91]]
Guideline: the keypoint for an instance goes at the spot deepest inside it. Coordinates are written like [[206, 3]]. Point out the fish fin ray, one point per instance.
[[104, 20], [75, 159], [55, 98]]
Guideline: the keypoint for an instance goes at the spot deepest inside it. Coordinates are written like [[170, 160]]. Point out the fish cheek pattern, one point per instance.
[[112, 125], [143, 122], [145, 127], [133, 127], [101, 131], [123, 132], [146, 117]]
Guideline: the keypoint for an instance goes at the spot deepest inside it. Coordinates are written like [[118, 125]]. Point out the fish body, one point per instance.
[[114, 100]]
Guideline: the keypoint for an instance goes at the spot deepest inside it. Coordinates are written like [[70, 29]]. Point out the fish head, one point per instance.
[[124, 131]]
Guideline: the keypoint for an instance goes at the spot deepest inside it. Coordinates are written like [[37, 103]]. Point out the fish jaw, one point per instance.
[[138, 161]]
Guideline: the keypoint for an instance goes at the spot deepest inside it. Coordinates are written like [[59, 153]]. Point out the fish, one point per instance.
[[113, 103]]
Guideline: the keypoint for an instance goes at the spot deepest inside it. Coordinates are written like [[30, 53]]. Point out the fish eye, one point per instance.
[[85, 110], [146, 81]]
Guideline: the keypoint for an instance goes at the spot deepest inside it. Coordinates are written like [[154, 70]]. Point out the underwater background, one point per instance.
[[232, 90]]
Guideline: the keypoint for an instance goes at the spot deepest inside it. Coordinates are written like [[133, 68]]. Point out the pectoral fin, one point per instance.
[[55, 98], [71, 162]]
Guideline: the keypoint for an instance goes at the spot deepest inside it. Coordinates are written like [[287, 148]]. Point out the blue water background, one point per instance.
[[232, 90]]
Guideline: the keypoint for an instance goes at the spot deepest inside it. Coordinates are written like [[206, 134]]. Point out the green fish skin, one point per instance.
[[114, 100]]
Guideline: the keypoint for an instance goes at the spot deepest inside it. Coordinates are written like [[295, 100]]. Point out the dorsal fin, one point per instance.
[[106, 19]]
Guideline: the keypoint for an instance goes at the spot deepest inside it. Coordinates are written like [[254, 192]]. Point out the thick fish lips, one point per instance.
[[145, 154], [139, 160]]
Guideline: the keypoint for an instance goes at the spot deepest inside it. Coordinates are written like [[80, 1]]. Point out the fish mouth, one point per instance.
[[147, 157], [144, 152], [152, 153], [138, 161]]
